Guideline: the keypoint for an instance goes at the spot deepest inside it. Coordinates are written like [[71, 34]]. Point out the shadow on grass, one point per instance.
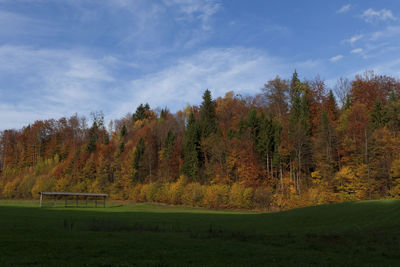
[[343, 230]]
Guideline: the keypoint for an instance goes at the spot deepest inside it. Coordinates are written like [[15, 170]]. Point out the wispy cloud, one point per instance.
[[354, 39], [388, 32], [344, 9], [372, 16], [54, 83], [356, 51], [336, 58], [190, 10], [220, 70], [62, 82]]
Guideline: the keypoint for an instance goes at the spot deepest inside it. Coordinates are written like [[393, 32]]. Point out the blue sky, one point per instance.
[[63, 57]]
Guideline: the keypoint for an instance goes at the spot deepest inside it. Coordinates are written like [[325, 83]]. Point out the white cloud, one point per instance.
[[46, 82], [388, 32], [372, 16], [354, 39], [344, 9], [336, 58], [195, 10], [356, 51], [220, 70]]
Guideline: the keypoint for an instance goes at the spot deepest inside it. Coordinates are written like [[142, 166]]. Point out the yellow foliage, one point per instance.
[[216, 196], [10, 189], [193, 194], [43, 183], [240, 196]]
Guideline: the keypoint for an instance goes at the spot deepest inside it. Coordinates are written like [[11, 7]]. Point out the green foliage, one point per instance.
[[123, 131], [138, 175], [141, 112], [191, 148], [379, 117], [208, 120]]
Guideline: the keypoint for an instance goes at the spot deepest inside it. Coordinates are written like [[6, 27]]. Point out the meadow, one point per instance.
[[363, 233]]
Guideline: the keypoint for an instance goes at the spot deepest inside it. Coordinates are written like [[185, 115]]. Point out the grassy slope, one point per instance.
[[360, 233]]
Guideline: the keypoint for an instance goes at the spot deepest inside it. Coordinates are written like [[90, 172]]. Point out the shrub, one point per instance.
[[216, 196], [240, 196], [25, 186], [151, 192], [193, 194], [164, 193], [43, 183], [262, 197], [10, 189]]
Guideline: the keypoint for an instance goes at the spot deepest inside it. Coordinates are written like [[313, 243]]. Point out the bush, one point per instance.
[[216, 196], [151, 192], [10, 189], [164, 193], [240, 196], [43, 183], [25, 186], [262, 198], [193, 194], [135, 193]]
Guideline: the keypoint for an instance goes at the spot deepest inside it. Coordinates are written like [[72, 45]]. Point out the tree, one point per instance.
[[191, 147], [207, 116], [138, 164], [141, 112], [300, 131], [342, 90], [276, 91], [325, 155], [378, 115]]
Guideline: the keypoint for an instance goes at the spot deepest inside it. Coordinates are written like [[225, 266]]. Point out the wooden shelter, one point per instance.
[[76, 195]]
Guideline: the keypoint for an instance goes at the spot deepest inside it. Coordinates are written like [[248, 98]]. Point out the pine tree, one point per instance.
[[300, 131], [190, 148], [93, 135], [207, 117], [141, 112], [138, 161], [378, 115]]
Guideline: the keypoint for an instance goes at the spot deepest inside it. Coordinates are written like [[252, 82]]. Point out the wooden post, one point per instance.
[[55, 200], [41, 197]]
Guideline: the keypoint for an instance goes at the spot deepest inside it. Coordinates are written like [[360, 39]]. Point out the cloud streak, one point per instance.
[[62, 82], [373, 16], [336, 58], [344, 9]]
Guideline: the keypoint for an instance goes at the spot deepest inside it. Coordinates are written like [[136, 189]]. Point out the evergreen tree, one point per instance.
[[378, 115], [169, 144], [392, 112], [138, 161], [93, 135], [141, 112], [300, 132], [294, 87], [123, 131], [191, 148], [207, 117]]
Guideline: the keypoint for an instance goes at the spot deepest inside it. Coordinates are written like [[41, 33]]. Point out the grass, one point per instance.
[[123, 234]]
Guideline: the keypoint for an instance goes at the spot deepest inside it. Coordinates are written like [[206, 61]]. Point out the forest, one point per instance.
[[295, 143]]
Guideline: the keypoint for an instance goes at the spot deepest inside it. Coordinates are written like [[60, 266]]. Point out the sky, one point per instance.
[[58, 58]]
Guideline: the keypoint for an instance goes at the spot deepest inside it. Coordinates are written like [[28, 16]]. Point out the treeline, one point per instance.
[[290, 145]]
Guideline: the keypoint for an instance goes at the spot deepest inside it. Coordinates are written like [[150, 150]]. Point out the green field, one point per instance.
[[122, 234]]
